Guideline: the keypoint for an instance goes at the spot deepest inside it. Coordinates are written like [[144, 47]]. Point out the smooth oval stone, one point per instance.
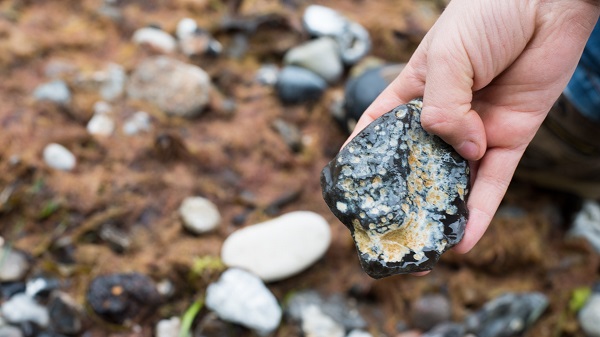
[[59, 157], [401, 191], [320, 21], [155, 38], [320, 56], [278, 248], [298, 85], [199, 215]]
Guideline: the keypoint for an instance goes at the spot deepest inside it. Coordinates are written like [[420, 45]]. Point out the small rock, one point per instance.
[[267, 74], [55, 91], [355, 43], [118, 239], [278, 248], [101, 125], [446, 330], [359, 333], [168, 327], [362, 90], [13, 265], [401, 191], [9, 289], [199, 43], [211, 326], [185, 28], [58, 157], [139, 122], [41, 286], [298, 85], [319, 56], [23, 308], [316, 324], [430, 310], [177, 88], [323, 21], [338, 308], [65, 315], [156, 38], [290, 133], [507, 315], [119, 297], [10, 331], [112, 82], [102, 108], [589, 316], [199, 215], [587, 224], [241, 297]]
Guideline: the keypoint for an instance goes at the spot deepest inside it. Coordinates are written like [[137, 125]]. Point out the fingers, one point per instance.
[[493, 177]]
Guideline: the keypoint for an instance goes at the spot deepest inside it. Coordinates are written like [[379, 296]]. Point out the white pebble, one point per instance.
[[185, 28], [199, 215], [140, 121], [21, 308], [101, 125], [156, 38], [58, 157], [168, 327]]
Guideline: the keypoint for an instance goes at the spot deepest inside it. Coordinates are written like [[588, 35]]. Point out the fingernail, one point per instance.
[[469, 150]]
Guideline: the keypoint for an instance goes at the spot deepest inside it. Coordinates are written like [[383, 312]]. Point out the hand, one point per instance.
[[489, 72]]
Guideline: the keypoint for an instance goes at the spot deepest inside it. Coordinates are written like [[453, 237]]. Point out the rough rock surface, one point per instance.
[[401, 191]]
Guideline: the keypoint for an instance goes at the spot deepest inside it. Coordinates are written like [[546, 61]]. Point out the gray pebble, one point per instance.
[[10, 331], [168, 327], [319, 56], [315, 323], [13, 265], [587, 224], [298, 85], [55, 91], [589, 316]]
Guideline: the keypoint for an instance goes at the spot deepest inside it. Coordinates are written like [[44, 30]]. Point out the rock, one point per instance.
[[587, 224], [362, 90], [430, 310], [354, 44], [199, 215], [112, 82], [241, 297], [185, 28], [58, 157], [211, 326], [177, 88], [589, 316], [267, 74], [196, 41], [139, 122], [507, 315], [118, 240], [155, 38], [401, 191], [316, 324], [278, 248], [101, 125], [41, 286], [290, 133], [119, 297], [10, 331], [446, 330], [55, 91], [168, 327], [359, 333], [14, 265], [319, 56], [65, 314], [336, 307], [9, 289], [298, 85], [23, 308]]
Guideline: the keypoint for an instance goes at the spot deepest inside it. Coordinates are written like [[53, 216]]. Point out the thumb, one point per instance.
[[447, 100]]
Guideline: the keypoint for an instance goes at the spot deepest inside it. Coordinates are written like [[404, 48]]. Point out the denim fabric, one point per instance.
[[583, 90]]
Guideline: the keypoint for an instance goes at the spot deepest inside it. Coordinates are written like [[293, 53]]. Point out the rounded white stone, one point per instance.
[[58, 157], [589, 316], [155, 38], [14, 265], [278, 248], [199, 215], [101, 125], [168, 327], [140, 121], [320, 56], [185, 28], [321, 20], [22, 308]]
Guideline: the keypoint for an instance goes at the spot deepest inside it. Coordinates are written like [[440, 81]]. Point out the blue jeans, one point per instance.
[[583, 90]]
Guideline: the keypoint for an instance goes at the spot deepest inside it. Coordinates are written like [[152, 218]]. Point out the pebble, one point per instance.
[[199, 215], [400, 191], [362, 90], [10, 331], [168, 327], [156, 38], [177, 88], [241, 297], [112, 82], [65, 315], [211, 326], [337, 307], [430, 310], [319, 56], [359, 333], [587, 224], [185, 28], [119, 297], [41, 286], [316, 324], [267, 74], [278, 248], [58, 157], [56, 91], [101, 125], [589, 316], [195, 41], [22, 308], [298, 85], [9, 289], [507, 315], [354, 44], [13, 265], [139, 122], [447, 329], [290, 133]]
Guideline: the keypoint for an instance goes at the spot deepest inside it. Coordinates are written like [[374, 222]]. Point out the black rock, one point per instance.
[[297, 85], [8, 289], [401, 191], [65, 316], [119, 297]]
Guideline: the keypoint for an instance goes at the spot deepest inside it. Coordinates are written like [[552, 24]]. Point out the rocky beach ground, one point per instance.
[[147, 147]]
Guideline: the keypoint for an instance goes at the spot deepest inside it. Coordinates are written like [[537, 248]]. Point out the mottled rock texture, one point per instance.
[[401, 191]]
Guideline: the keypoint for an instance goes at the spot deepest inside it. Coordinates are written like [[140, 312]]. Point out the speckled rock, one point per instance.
[[401, 191]]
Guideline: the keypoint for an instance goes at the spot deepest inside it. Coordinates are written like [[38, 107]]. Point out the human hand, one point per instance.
[[489, 72]]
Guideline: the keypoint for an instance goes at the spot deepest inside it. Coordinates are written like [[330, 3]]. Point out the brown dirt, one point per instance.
[[137, 183]]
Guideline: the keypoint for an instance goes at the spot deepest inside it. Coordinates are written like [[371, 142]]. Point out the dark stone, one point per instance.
[[8, 289], [508, 315], [65, 316], [212, 326], [297, 85], [429, 311], [119, 297], [401, 191]]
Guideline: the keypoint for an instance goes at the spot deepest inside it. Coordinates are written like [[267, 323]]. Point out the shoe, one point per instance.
[[564, 155]]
